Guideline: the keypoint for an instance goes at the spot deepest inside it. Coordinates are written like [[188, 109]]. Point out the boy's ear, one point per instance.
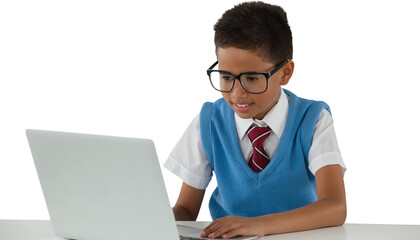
[[287, 72]]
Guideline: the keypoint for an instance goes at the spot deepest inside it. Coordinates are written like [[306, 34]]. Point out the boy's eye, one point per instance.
[[225, 77], [252, 78]]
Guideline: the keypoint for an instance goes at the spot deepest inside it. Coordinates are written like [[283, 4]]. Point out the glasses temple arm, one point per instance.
[[214, 65]]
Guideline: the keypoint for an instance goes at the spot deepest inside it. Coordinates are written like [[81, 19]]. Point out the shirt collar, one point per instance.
[[275, 118]]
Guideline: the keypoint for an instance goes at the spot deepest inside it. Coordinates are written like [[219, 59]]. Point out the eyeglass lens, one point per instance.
[[254, 83]]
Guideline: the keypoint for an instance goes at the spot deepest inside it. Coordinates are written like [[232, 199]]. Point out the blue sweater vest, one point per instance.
[[285, 184]]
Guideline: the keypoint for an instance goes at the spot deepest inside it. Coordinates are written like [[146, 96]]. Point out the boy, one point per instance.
[[275, 156]]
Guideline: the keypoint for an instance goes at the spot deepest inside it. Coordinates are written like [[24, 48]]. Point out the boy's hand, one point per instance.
[[231, 226]]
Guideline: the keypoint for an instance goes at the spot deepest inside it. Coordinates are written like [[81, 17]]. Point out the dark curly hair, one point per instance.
[[256, 26]]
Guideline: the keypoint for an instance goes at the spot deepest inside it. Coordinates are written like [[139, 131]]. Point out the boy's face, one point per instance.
[[248, 105]]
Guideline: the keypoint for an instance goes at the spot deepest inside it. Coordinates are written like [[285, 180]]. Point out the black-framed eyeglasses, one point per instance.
[[252, 82]]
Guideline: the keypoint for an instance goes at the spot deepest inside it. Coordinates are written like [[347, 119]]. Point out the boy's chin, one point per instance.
[[244, 113]]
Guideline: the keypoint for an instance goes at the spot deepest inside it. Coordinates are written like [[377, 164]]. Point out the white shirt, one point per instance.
[[189, 162]]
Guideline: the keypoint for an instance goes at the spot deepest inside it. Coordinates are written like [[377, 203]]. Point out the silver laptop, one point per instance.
[[102, 187]]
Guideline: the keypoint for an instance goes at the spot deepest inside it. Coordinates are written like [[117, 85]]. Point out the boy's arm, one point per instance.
[[329, 210], [188, 204]]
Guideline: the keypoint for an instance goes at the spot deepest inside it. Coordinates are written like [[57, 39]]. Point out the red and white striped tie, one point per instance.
[[259, 159]]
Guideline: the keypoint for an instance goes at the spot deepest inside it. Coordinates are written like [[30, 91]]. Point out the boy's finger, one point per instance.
[[222, 230], [235, 232], [209, 229]]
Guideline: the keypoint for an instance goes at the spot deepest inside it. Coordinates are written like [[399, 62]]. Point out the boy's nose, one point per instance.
[[238, 90]]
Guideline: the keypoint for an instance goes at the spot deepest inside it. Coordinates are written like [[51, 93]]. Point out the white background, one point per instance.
[[134, 69]]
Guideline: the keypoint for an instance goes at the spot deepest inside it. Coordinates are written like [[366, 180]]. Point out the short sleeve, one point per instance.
[[188, 160], [324, 150]]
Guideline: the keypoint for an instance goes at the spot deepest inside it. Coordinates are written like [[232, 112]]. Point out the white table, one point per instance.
[[41, 230]]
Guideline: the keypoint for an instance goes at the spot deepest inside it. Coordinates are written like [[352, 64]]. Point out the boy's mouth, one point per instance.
[[242, 108], [242, 105]]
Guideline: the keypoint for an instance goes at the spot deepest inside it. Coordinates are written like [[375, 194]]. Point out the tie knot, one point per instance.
[[257, 135]]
